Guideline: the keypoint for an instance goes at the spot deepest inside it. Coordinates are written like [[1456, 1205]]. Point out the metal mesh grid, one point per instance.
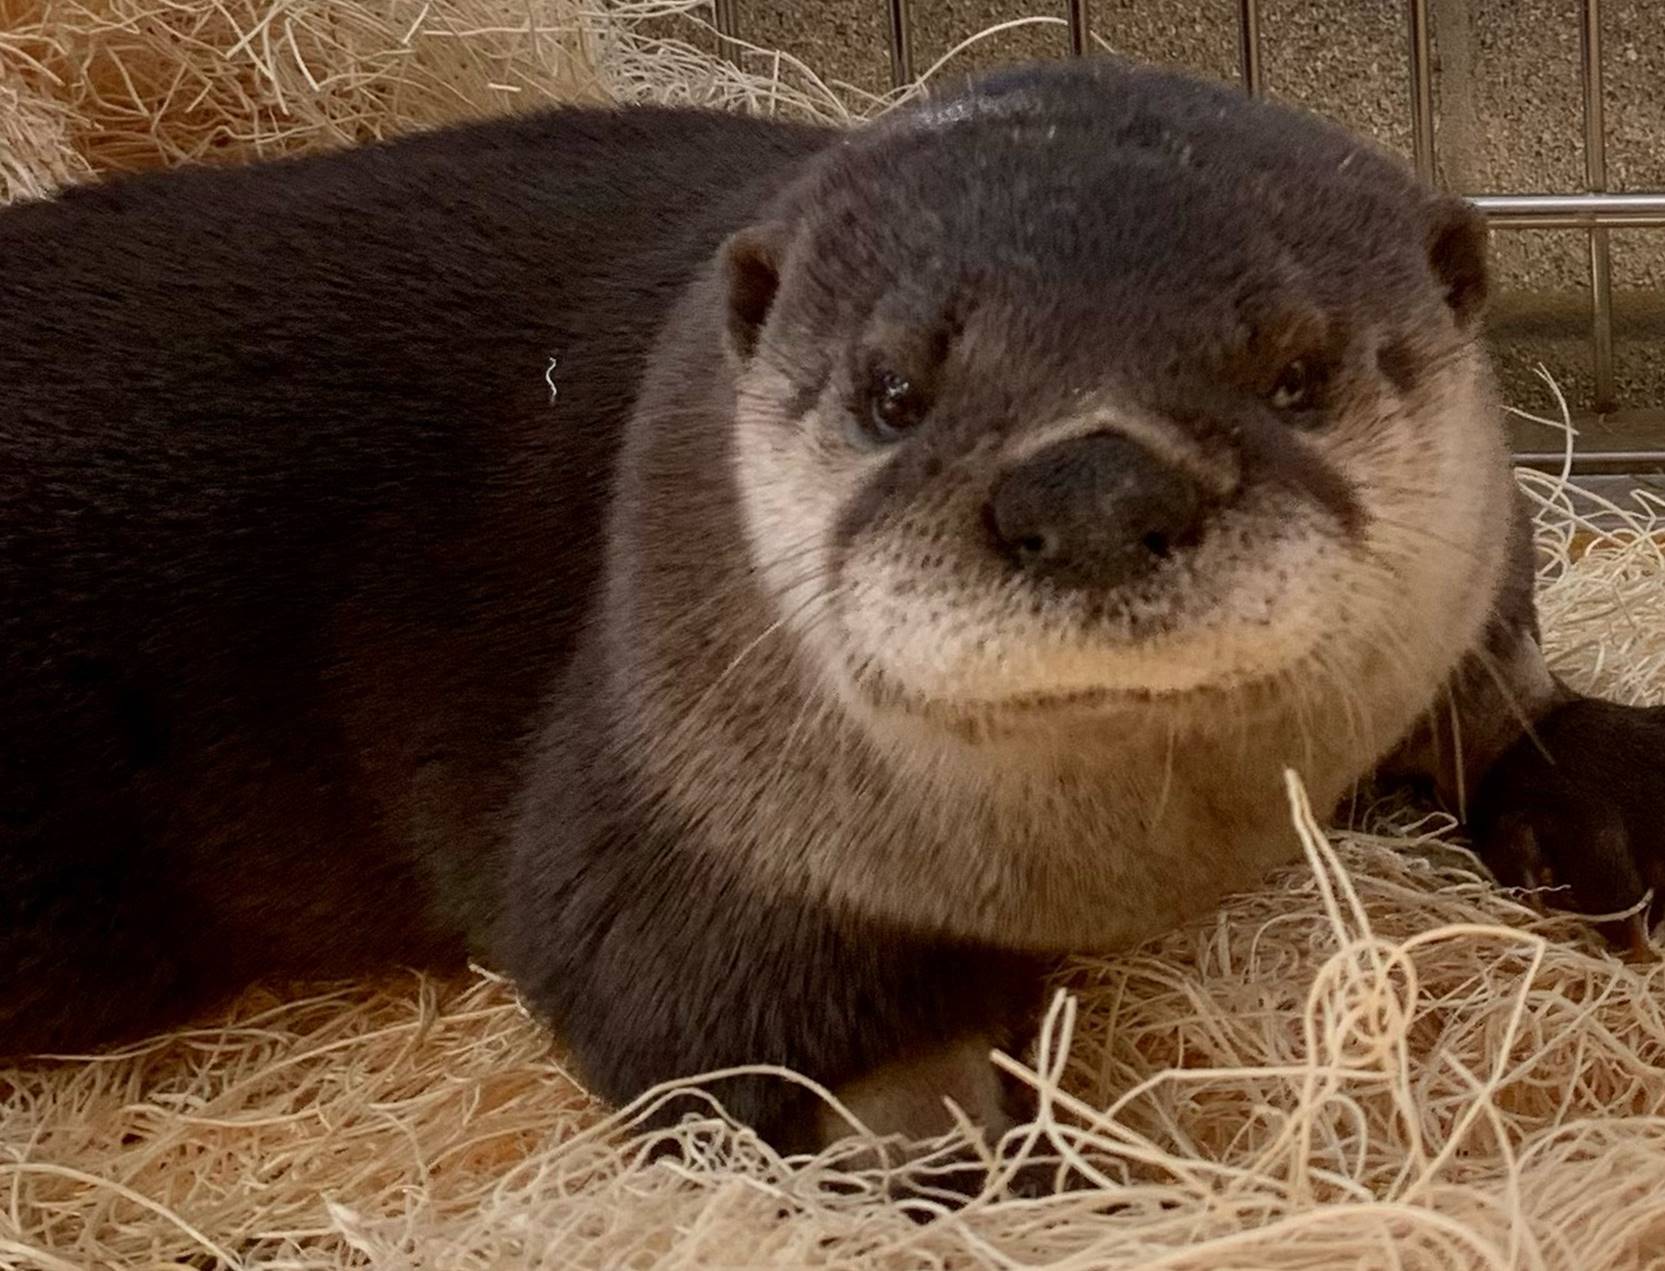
[[1595, 209]]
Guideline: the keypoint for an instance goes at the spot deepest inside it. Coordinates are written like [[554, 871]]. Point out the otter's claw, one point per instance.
[[1578, 810]]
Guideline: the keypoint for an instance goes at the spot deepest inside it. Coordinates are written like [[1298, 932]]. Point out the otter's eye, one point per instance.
[[1297, 386], [893, 406]]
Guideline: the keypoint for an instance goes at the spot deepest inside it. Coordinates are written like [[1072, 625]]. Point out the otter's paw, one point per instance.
[[1579, 809]]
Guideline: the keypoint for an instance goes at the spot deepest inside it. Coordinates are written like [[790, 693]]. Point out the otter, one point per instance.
[[770, 590]]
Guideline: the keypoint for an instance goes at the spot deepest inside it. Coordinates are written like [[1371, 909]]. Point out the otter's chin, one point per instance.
[[979, 705], [1197, 632]]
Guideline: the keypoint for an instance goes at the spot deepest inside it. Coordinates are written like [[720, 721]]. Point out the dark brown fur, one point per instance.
[[313, 603], [293, 541]]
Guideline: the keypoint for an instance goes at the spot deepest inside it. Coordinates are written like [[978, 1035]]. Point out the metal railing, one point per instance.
[[1595, 209]]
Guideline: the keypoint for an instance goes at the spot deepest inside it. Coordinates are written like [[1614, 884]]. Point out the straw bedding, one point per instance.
[[1377, 1060]]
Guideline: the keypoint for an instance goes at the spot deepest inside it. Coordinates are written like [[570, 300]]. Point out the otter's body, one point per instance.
[[767, 590], [294, 542]]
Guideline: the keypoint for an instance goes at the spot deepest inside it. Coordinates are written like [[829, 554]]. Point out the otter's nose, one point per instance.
[[1096, 511]]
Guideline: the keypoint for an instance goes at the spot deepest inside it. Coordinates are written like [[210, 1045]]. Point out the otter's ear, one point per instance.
[[1457, 254], [751, 273]]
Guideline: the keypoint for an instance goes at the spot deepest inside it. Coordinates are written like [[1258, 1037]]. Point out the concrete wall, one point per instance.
[[1509, 113]]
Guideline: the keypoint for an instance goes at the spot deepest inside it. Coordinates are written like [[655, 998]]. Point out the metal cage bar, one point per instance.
[[901, 43], [1422, 89], [1572, 211], [725, 16], [1248, 47], [1080, 27], [1595, 181]]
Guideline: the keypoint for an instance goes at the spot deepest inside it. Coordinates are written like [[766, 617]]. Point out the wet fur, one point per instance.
[[331, 640]]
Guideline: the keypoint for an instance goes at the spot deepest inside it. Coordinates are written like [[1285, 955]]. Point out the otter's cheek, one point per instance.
[[790, 493]]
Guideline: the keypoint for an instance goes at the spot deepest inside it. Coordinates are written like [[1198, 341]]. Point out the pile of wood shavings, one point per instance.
[[1376, 1060], [92, 87]]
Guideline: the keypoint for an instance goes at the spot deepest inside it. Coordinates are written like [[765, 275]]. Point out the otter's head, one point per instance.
[[1091, 387]]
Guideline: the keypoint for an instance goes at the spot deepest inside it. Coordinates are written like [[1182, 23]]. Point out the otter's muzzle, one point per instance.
[[1092, 512]]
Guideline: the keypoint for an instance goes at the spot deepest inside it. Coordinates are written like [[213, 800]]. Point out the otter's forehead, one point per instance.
[[1119, 107], [1082, 270], [1088, 194]]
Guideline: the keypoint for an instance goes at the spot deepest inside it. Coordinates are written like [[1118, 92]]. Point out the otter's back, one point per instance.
[[294, 531]]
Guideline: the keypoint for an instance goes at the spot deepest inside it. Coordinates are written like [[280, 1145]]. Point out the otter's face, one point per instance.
[[1055, 412]]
